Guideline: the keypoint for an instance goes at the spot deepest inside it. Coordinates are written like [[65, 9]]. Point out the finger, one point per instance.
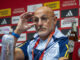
[[33, 24], [29, 25], [23, 14], [26, 15]]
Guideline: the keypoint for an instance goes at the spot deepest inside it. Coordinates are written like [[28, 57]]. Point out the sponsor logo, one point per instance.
[[69, 3], [22, 37], [67, 22], [4, 29], [5, 21], [32, 8], [53, 5], [18, 10], [5, 12], [57, 14], [69, 13], [15, 19]]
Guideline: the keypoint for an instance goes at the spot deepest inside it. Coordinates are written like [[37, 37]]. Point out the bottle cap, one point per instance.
[[7, 29]]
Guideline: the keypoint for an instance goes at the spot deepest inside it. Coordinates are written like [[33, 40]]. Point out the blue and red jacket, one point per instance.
[[57, 47]]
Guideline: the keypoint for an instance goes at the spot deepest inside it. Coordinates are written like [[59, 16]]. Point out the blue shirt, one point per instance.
[[57, 47]]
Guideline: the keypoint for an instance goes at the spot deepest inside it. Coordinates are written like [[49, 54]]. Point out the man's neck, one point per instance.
[[44, 37]]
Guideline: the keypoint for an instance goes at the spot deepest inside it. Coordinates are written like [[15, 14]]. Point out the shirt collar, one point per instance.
[[57, 34]]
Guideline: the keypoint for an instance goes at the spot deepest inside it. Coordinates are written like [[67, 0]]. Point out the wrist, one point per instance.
[[17, 32], [15, 35]]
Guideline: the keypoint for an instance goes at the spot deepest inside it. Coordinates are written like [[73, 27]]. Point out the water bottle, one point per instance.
[[7, 52]]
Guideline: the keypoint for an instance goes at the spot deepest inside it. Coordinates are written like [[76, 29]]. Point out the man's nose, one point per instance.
[[40, 22]]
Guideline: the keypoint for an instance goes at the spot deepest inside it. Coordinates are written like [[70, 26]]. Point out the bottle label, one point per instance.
[[72, 34], [7, 47], [71, 46]]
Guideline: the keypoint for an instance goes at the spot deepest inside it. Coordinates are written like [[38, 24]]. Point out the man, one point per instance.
[[48, 43]]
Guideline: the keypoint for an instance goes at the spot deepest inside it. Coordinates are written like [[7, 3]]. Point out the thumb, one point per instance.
[[29, 25]]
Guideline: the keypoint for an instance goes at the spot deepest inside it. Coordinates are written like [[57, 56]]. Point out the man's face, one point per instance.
[[44, 22]]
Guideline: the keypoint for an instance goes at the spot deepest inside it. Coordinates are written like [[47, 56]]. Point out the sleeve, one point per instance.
[[64, 47], [24, 48]]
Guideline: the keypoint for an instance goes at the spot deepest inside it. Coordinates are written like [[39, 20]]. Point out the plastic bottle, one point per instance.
[[7, 52]]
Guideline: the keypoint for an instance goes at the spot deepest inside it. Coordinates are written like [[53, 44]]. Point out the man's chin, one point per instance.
[[43, 33]]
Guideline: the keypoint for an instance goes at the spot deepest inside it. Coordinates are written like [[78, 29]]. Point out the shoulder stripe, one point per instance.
[[20, 45], [66, 54]]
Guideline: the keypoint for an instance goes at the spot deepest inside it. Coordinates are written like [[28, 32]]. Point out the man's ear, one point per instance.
[[55, 19]]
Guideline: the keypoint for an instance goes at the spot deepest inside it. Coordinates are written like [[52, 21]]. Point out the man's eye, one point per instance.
[[44, 18], [35, 19]]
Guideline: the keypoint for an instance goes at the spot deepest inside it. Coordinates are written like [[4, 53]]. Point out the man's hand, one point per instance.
[[22, 27], [63, 58], [19, 55], [23, 23]]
